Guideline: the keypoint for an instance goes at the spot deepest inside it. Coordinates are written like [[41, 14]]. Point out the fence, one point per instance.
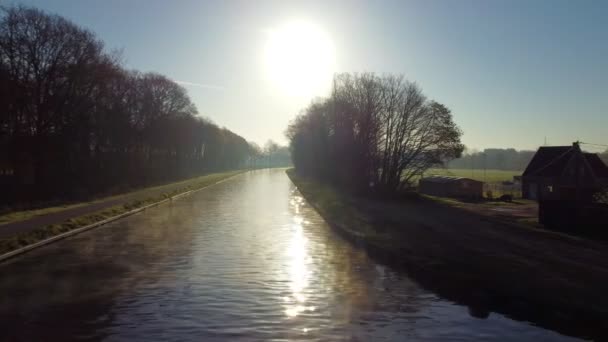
[[495, 190]]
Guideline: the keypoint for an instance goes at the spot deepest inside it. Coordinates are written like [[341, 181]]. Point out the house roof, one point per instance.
[[551, 161], [446, 179], [597, 165], [544, 156]]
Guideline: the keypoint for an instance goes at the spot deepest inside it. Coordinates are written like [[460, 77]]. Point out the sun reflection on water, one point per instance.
[[298, 261]]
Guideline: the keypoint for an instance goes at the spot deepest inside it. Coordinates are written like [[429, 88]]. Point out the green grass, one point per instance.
[[143, 197], [22, 240], [333, 206], [489, 176], [28, 214]]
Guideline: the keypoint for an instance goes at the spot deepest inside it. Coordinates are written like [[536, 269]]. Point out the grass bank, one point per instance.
[[127, 202], [191, 183], [553, 280]]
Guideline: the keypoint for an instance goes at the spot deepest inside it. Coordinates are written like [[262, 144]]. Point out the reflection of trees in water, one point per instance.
[[357, 285]]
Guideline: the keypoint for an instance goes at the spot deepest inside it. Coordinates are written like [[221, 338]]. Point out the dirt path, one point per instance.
[[25, 226], [19, 227], [535, 270]]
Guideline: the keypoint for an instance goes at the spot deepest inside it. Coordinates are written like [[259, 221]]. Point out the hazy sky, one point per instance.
[[513, 72]]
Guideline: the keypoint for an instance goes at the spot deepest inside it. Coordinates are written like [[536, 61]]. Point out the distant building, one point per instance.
[[563, 172], [445, 186]]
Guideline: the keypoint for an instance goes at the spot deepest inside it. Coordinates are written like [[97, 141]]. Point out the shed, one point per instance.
[[446, 186]]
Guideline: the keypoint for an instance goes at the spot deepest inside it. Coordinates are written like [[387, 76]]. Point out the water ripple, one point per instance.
[[245, 260]]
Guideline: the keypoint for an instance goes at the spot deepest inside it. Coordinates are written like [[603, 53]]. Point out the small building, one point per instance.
[[446, 186], [565, 180], [563, 172]]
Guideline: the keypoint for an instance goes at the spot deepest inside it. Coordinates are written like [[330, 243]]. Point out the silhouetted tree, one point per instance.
[[270, 147], [255, 153], [74, 122], [374, 133]]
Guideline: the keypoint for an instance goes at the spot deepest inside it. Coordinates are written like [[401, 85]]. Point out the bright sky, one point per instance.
[[513, 72]]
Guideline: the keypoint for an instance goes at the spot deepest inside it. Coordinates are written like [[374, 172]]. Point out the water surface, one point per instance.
[[244, 260]]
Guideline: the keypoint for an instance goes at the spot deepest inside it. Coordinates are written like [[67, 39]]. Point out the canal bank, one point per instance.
[[52, 224], [552, 280]]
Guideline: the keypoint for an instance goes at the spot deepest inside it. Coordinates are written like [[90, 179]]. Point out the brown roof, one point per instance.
[[544, 156], [550, 161], [597, 165]]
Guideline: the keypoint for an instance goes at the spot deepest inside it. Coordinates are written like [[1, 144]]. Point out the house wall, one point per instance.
[[475, 190], [460, 188], [530, 189]]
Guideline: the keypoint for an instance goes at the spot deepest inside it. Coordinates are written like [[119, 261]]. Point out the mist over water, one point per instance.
[[247, 259]]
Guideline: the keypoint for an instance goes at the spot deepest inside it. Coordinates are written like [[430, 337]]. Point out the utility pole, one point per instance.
[[484, 166]]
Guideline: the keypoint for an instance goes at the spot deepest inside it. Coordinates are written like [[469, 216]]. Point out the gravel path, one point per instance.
[[19, 227]]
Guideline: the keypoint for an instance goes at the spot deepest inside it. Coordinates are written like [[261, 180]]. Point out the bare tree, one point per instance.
[[270, 147], [255, 152], [374, 132], [76, 122]]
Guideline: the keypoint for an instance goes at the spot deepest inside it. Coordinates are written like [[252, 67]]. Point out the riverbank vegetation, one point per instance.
[[128, 202], [548, 278], [269, 156], [373, 134], [75, 122]]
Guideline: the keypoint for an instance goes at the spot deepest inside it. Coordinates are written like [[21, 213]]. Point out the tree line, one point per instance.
[[271, 155], [373, 134], [74, 122], [499, 159], [494, 158]]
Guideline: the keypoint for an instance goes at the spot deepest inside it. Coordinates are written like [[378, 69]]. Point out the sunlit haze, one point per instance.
[[300, 59], [323, 170], [513, 73]]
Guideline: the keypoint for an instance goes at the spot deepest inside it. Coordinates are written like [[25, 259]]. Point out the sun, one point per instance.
[[300, 59]]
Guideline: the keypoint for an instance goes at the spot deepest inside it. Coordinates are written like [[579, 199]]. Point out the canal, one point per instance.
[[244, 260]]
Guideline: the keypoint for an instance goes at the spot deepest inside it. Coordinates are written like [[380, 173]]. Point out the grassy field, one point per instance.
[[488, 176]]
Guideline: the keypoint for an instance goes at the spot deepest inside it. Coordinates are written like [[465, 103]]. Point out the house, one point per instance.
[[445, 186], [565, 180], [563, 173]]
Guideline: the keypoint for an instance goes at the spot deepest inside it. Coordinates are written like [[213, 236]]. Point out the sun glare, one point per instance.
[[300, 59]]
